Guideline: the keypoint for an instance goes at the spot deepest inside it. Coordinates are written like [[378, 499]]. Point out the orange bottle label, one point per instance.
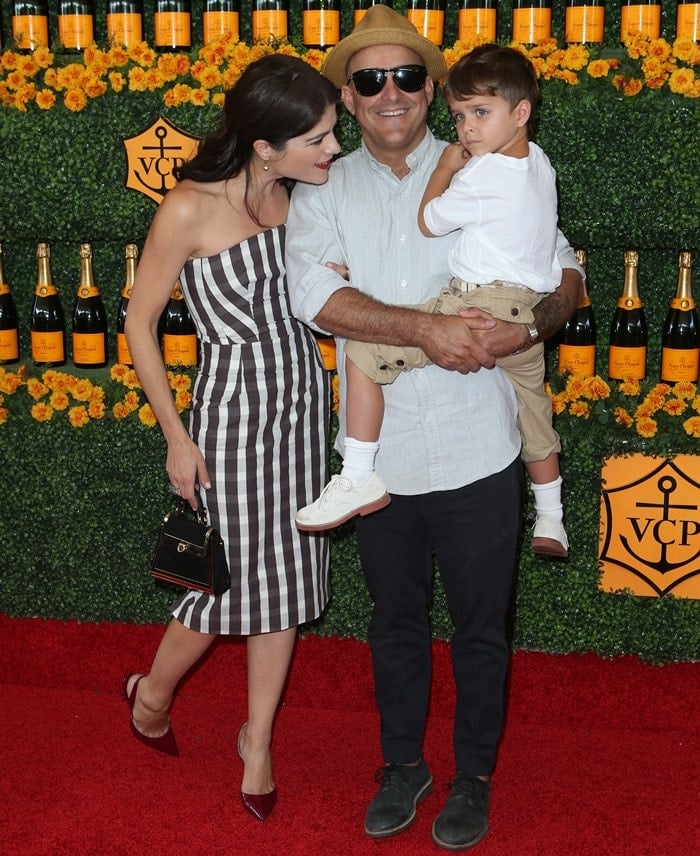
[[320, 27], [123, 353], [88, 291], [4, 288], [270, 25], [630, 302], [680, 364], [627, 362], [473, 23], [683, 303], [531, 26], [30, 31], [89, 348], [584, 24], [430, 23], [47, 347], [172, 28], [9, 345], [640, 19], [216, 25], [577, 359], [125, 28], [326, 346], [45, 290], [75, 31], [688, 21], [179, 350]]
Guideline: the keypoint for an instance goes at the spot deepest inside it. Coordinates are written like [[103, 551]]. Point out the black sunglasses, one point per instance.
[[371, 81]]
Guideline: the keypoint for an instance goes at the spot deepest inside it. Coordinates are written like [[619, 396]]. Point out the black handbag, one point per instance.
[[189, 552]]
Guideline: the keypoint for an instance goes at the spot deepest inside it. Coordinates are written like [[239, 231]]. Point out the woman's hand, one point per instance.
[[186, 470], [341, 270]]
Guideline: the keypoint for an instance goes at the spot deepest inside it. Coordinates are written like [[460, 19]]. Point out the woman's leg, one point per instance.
[[179, 650], [269, 655]]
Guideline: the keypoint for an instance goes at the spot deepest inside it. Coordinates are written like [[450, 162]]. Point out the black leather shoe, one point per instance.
[[465, 819], [394, 807]]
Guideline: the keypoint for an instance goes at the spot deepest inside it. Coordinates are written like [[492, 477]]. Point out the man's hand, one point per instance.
[[454, 343], [500, 339]]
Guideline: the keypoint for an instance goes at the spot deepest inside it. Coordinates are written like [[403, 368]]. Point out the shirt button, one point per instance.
[[402, 239], [403, 283]]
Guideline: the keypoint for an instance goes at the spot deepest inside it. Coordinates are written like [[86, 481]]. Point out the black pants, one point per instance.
[[473, 532]]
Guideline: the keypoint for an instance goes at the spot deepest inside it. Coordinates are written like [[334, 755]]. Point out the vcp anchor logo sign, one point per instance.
[[650, 525], [152, 156]]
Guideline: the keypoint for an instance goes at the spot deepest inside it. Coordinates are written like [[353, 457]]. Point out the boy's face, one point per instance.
[[486, 124]]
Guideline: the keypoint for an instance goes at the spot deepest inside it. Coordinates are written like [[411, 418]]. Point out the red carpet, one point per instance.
[[598, 758]]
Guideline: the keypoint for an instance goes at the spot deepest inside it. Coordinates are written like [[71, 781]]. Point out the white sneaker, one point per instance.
[[549, 537], [340, 501]]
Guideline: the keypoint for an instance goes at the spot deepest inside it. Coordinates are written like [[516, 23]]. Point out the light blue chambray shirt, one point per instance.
[[442, 430]]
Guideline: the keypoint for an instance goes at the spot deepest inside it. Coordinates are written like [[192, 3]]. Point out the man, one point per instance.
[[449, 446]]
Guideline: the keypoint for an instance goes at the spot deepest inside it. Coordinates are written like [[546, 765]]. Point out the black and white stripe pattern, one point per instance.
[[260, 417]]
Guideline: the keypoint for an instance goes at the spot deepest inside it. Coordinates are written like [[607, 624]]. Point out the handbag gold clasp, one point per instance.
[[181, 547]]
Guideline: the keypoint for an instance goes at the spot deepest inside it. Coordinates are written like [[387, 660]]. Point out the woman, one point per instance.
[[257, 443]]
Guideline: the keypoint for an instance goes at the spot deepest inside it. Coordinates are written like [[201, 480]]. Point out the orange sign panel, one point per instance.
[[650, 525], [152, 156]]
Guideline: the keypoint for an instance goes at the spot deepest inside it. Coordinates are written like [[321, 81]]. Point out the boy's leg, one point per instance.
[[364, 411]]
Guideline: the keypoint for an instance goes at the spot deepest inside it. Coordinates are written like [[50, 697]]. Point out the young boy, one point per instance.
[[499, 189]]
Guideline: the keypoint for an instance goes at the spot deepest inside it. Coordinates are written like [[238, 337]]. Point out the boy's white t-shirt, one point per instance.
[[506, 209]]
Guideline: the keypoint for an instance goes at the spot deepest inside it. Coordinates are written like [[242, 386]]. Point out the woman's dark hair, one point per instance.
[[494, 70], [277, 98]]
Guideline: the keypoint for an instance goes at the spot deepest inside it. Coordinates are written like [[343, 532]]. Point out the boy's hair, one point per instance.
[[494, 70]]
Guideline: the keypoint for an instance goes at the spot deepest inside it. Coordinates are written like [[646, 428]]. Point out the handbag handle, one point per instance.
[[183, 508]]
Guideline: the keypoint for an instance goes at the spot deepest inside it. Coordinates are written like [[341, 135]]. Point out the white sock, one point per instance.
[[548, 499], [358, 462]]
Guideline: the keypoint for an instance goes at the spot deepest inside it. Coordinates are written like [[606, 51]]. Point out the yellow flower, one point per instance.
[[131, 401], [675, 406], [646, 427], [10, 382], [623, 418], [179, 382], [684, 389], [42, 412], [75, 100], [78, 416], [182, 401], [596, 388], [36, 388], [45, 99], [81, 390], [630, 386], [199, 97], [681, 81], [696, 404], [119, 411], [558, 403], [3, 415], [580, 409], [57, 381], [118, 56], [575, 57], [147, 416], [692, 427], [96, 409], [632, 87], [42, 57], [59, 400]]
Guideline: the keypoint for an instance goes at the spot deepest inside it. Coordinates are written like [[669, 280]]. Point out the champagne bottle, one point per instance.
[[320, 21], [172, 25], [627, 355], [30, 24], [640, 16], [124, 22], [532, 21], [578, 338], [123, 354], [428, 17], [47, 326], [688, 20], [220, 18], [89, 318], [178, 330], [9, 328], [680, 341], [584, 22], [269, 20], [476, 19], [76, 24], [360, 8]]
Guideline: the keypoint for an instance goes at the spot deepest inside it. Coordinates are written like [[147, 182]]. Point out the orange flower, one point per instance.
[[598, 68], [10, 382], [629, 386], [646, 427], [684, 389], [119, 411], [623, 418], [42, 412], [59, 400], [580, 409], [36, 388], [75, 100], [597, 388], [45, 99], [78, 416], [96, 409], [131, 401], [681, 81], [675, 406], [692, 427], [4, 413], [147, 416]]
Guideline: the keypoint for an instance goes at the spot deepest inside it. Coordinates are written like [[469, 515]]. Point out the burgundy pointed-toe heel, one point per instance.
[[166, 742], [259, 805]]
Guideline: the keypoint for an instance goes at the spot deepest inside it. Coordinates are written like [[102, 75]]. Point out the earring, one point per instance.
[[266, 166]]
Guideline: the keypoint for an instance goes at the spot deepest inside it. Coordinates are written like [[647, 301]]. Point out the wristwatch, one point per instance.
[[534, 334]]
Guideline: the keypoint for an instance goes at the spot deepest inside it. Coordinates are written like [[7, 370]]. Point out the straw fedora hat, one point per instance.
[[382, 26]]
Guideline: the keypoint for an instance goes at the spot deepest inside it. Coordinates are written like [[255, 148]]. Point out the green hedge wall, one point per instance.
[[80, 507]]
